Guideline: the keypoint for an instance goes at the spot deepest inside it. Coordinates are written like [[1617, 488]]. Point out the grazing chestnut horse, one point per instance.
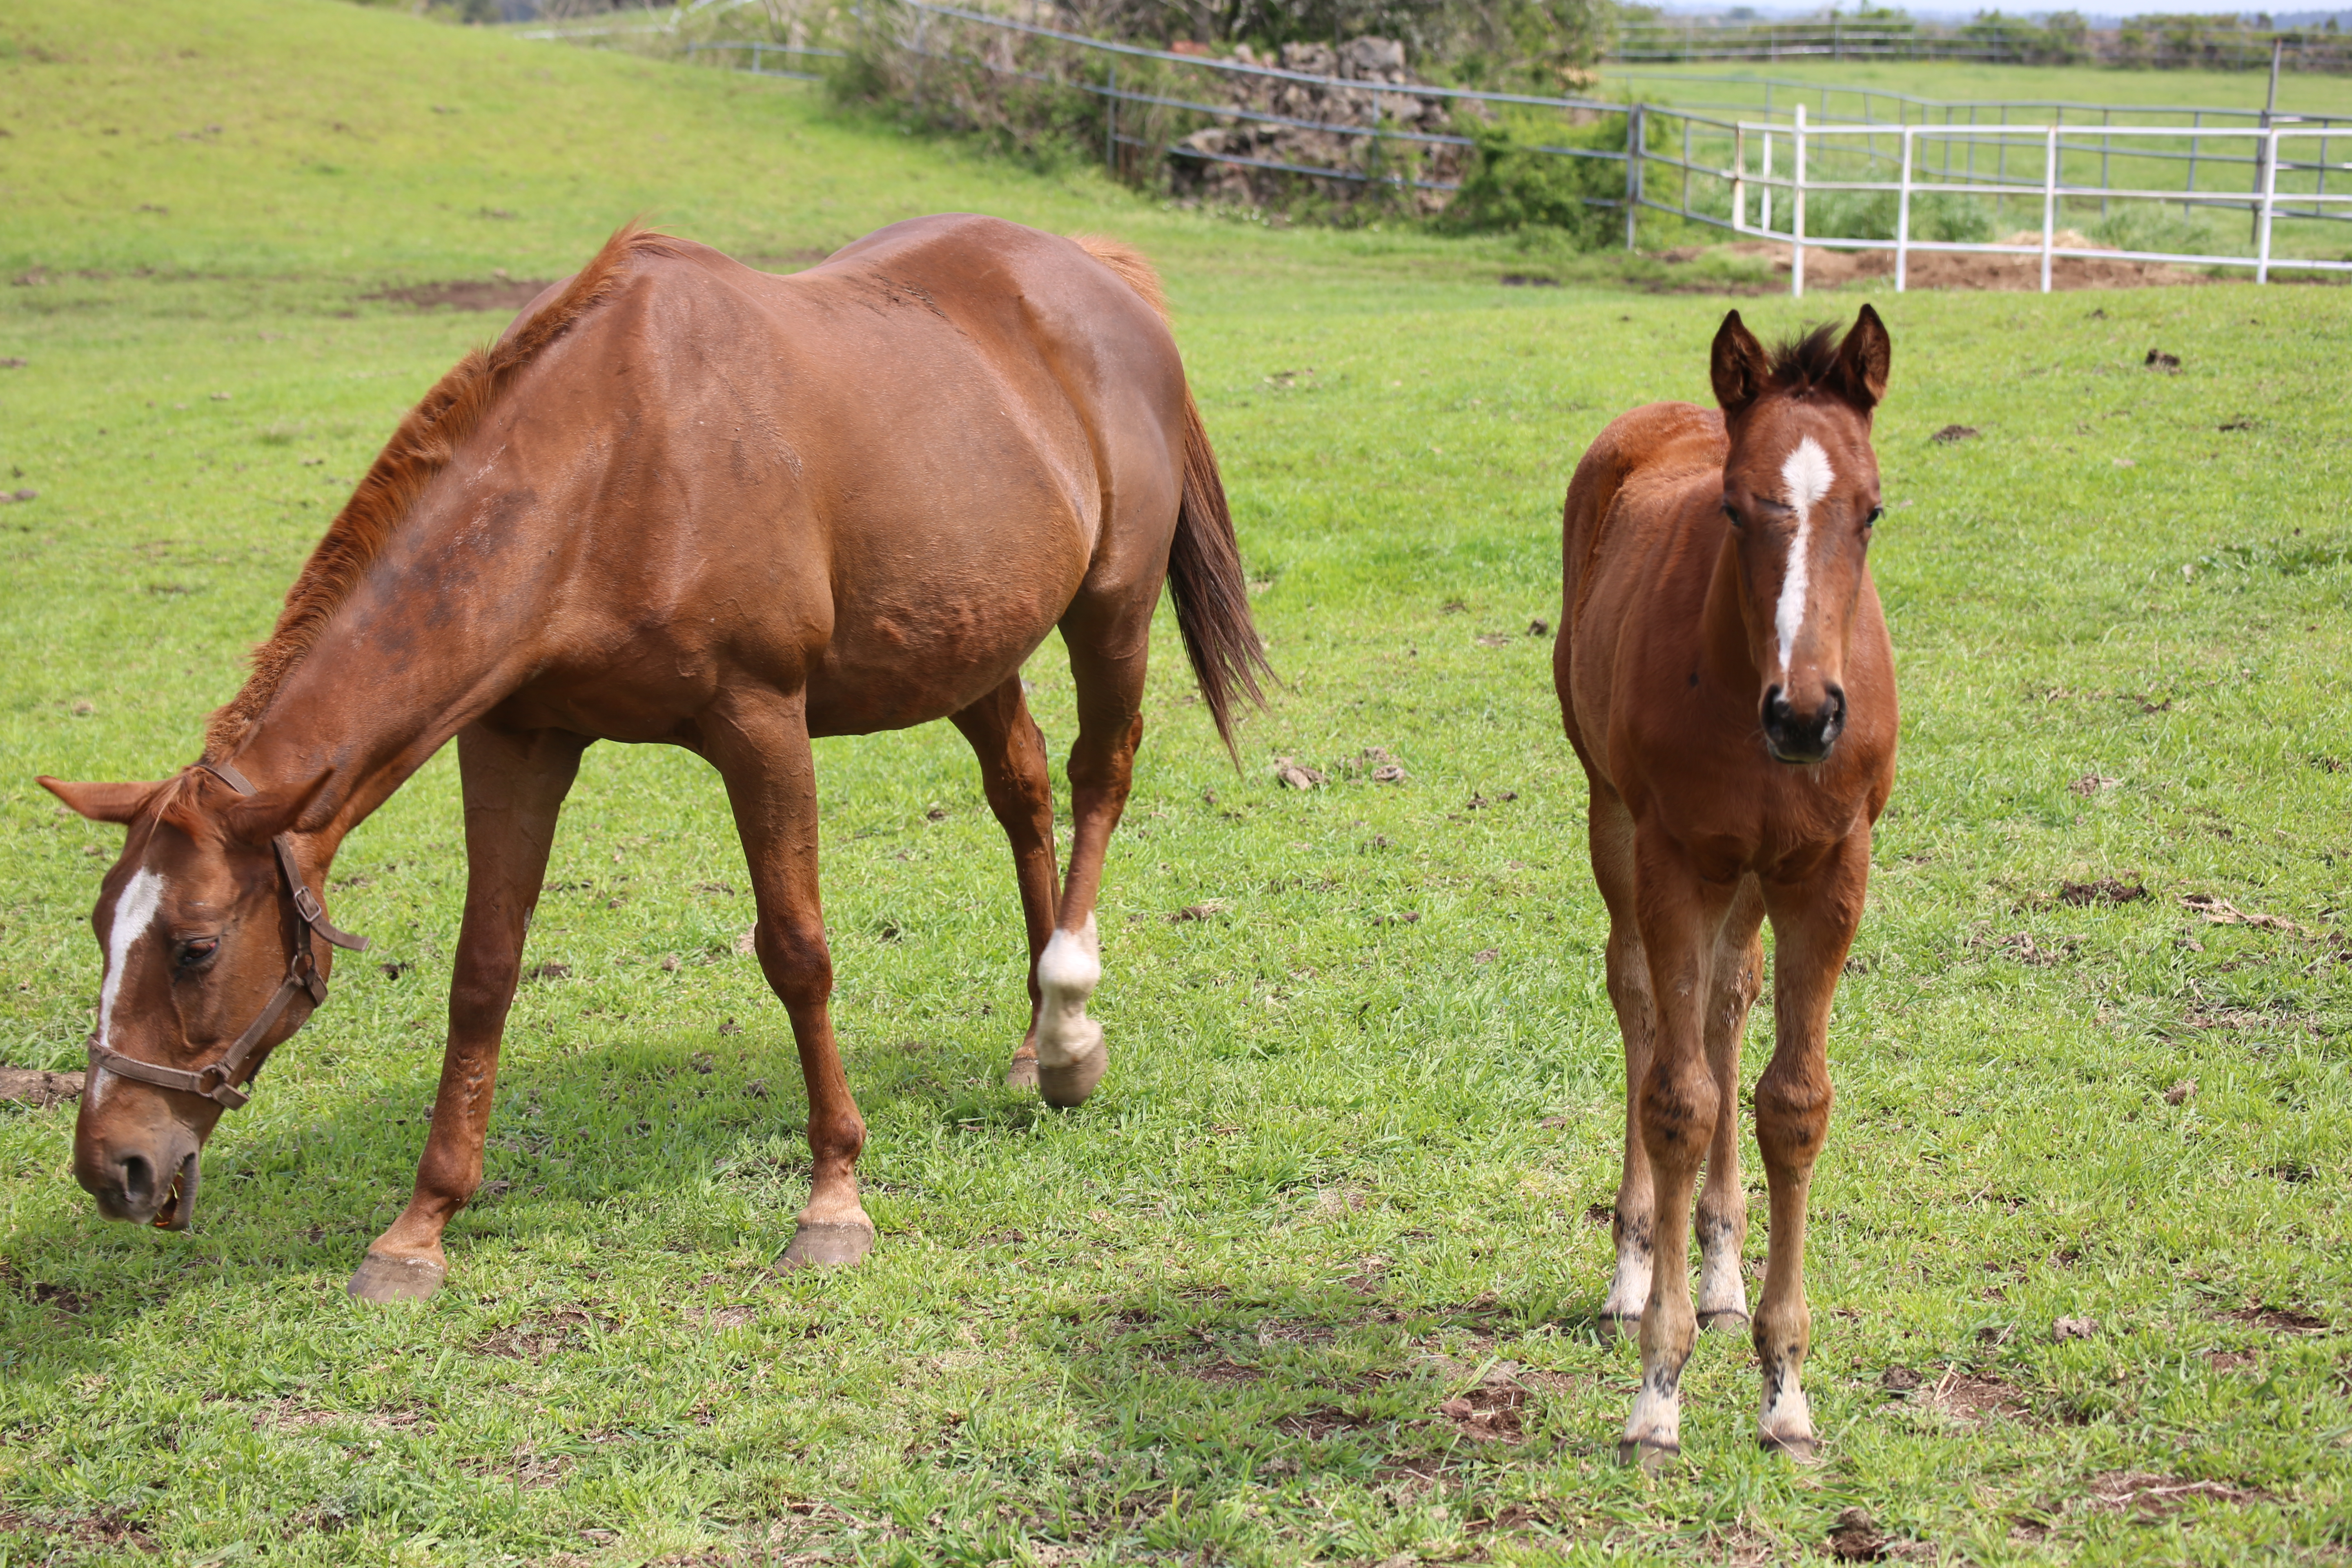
[[1724, 676], [680, 500]]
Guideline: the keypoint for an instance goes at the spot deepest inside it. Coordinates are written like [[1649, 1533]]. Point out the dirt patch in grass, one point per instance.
[[36, 1089], [729, 1317], [1972, 1396], [1943, 270], [2105, 890], [2149, 1495], [1490, 1408], [2278, 1319], [1318, 1424], [467, 294], [2232, 1361], [543, 1334], [528, 1469], [105, 1527]]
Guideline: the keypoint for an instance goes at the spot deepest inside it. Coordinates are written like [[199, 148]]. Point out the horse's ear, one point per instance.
[[257, 818], [1737, 365], [117, 803], [1863, 361]]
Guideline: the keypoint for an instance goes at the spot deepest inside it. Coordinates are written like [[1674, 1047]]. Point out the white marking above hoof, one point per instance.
[[1067, 973]]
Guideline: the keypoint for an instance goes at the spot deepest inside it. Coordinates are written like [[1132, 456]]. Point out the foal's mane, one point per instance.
[[420, 449], [1801, 364]]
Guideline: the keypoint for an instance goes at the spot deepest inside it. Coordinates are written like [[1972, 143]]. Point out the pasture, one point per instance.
[[1314, 1275]]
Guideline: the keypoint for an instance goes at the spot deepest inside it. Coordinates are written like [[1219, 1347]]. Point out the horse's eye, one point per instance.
[[1733, 513], [193, 953], [1876, 513]]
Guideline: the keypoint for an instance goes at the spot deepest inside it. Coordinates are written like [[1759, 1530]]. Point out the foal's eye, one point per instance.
[[1876, 513], [193, 953], [1733, 513]]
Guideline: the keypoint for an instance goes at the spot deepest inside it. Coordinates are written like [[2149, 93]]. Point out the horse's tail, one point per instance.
[[1204, 560]]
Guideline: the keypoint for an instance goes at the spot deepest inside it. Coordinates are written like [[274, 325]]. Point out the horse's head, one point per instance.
[[1801, 487], [204, 931]]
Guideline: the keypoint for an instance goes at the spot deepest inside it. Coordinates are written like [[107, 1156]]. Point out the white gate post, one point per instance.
[[1739, 179], [1903, 216], [2270, 197], [1767, 192], [2049, 204], [1797, 212]]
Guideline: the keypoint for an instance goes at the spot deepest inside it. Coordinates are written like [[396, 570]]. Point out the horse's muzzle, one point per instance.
[[1797, 737], [136, 1188]]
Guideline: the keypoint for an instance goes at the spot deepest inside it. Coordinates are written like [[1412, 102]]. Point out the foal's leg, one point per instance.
[[1681, 918], [1813, 926], [1610, 829], [1014, 773], [760, 742], [1723, 1202], [1107, 640], [514, 787]]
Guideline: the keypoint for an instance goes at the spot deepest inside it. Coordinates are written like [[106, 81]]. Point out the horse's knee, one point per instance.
[[1679, 1102], [796, 962], [1792, 1115]]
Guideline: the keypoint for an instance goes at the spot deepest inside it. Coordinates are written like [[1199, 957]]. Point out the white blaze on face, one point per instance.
[[134, 911], [1806, 475]]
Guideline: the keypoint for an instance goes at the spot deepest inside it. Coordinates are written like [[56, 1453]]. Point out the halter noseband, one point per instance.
[[217, 1081]]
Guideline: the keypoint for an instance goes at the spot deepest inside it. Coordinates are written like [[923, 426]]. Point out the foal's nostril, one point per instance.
[[1776, 707], [1835, 709], [138, 1181]]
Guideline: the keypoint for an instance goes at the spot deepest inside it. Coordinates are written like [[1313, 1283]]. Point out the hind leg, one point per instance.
[[1723, 1202], [1013, 770], [1107, 640], [1612, 834]]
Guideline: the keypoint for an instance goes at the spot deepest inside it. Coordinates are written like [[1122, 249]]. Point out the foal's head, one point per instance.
[[1801, 487], [195, 932]]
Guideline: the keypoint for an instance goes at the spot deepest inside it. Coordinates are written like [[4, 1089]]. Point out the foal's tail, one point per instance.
[[1204, 561]]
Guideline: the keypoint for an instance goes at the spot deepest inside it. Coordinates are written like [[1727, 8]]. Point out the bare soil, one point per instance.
[[1946, 270], [38, 1089], [468, 294]]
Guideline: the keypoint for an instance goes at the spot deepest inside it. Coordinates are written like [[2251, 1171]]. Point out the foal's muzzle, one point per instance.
[[1792, 735]]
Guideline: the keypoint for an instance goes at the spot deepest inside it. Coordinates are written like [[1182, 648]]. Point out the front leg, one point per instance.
[[514, 787], [759, 739], [1681, 916], [1813, 923]]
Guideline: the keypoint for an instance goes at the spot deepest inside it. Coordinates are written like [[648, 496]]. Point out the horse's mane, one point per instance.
[[420, 449], [1129, 264], [1801, 365]]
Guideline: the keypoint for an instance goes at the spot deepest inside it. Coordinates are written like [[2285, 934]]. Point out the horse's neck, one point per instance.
[[1723, 646], [409, 659]]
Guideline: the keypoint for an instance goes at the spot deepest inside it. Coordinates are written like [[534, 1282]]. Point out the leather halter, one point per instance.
[[217, 1081]]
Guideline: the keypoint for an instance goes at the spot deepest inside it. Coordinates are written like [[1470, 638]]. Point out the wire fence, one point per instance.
[[1869, 171], [2154, 43]]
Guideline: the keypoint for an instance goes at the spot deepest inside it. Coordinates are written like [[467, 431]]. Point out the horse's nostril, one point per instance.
[[1836, 706], [1776, 705], [138, 1181]]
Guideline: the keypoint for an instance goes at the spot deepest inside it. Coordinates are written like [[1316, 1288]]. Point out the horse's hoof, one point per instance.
[[1022, 1073], [1067, 1086], [1717, 1322], [1653, 1457], [1620, 1326], [382, 1278], [825, 1244], [1803, 1449]]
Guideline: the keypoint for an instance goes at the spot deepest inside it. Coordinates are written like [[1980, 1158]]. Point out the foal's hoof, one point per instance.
[[1067, 1086], [1655, 1459], [1616, 1326], [382, 1278], [1803, 1448], [1717, 1322], [823, 1243], [1022, 1071]]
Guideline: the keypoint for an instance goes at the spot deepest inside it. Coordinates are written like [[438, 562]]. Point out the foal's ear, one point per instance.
[[1737, 365], [256, 819], [1863, 360], [117, 803]]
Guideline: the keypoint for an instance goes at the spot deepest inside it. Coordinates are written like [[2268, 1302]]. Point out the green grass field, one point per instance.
[[1313, 1277]]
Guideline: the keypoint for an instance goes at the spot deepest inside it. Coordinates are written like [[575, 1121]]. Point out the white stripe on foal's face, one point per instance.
[[134, 911], [1806, 474]]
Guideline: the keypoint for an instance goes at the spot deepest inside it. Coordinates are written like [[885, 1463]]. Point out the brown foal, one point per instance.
[[1724, 676], [683, 501]]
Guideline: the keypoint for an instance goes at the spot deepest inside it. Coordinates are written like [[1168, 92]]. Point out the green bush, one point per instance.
[[1871, 215], [1513, 185]]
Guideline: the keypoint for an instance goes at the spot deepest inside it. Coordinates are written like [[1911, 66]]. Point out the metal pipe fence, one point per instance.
[[1834, 167]]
